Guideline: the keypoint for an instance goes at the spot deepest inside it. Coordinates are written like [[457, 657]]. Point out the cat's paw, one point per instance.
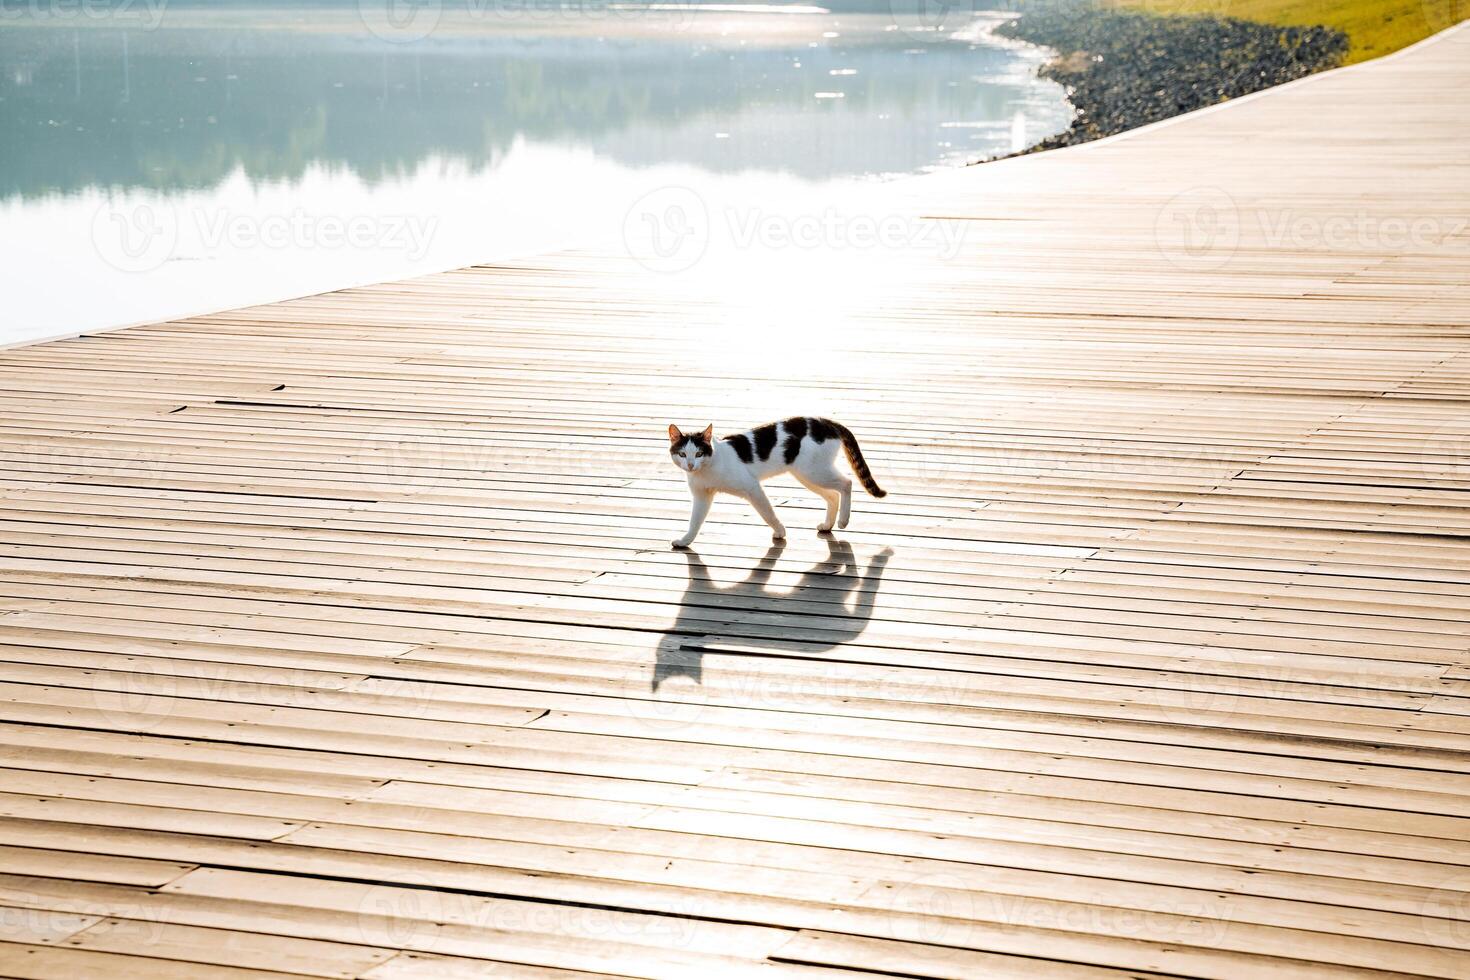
[[842, 524], [778, 534], [680, 544], [824, 528]]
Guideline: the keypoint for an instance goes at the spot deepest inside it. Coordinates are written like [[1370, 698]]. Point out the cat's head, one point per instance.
[[691, 451]]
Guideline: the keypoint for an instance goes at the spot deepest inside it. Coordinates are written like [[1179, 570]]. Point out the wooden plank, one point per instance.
[[219, 947], [430, 966], [122, 870], [64, 963]]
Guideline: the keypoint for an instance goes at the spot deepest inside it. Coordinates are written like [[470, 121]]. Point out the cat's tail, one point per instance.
[[855, 459]]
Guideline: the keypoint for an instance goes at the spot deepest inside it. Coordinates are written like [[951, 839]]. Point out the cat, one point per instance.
[[804, 447]]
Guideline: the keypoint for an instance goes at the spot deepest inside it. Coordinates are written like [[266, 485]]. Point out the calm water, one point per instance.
[[165, 161]]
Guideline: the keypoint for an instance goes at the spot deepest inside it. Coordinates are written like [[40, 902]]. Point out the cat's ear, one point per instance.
[[674, 434], [708, 433]]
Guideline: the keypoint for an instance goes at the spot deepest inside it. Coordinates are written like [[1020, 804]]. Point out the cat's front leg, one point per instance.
[[762, 504], [697, 514]]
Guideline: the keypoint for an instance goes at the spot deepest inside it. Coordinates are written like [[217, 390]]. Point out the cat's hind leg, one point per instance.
[[836, 490], [832, 497]]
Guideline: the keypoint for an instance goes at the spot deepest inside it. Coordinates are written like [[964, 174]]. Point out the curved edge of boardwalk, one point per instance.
[[329, 629]]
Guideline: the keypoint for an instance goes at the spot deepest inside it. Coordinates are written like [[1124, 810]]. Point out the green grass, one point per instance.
[[1373, 27]]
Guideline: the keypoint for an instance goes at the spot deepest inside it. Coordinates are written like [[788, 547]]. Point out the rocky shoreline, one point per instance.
[[1123, 70]]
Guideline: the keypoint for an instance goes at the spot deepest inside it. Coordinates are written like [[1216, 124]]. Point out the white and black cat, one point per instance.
[[804, 447]]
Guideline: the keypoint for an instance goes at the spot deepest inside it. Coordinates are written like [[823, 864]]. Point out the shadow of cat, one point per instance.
[[829, 605]]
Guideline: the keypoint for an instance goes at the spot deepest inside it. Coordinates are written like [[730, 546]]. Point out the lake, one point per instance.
[[161, 160]]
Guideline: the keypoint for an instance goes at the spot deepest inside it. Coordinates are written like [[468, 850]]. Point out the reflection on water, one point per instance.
[[500, 134]]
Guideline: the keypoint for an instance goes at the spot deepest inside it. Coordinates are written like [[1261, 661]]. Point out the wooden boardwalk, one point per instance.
[[341, 637]]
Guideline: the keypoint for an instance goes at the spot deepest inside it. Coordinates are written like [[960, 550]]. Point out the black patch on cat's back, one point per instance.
[[795, 430], [741, 445], [765, 440], [821, 430]]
